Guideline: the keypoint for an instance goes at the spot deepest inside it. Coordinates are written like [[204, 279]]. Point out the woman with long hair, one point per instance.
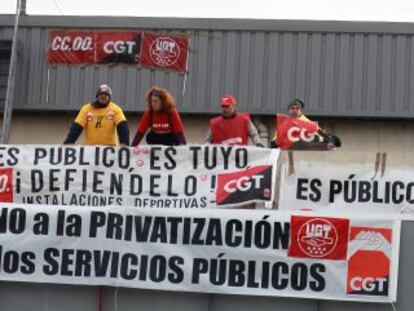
[[161, 120]]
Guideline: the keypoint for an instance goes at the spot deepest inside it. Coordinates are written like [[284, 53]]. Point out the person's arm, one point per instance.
[[77, 126], [123, 133], [137, 139], [74, 133], [141, 129], [121, 126], [180, 139], [209, 137], [178, 127], [273, 142], [254, 135], [332, 140], [323, 134]]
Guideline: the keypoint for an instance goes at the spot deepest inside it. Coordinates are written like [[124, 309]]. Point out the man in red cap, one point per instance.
[[232, 128]]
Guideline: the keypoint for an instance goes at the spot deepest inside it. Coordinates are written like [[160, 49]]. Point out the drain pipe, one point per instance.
[[262, 129]]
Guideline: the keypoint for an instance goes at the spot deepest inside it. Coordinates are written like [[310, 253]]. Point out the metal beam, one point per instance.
[[8, 106]]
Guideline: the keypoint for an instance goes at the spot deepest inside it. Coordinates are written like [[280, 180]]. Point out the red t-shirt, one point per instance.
[[162, 122]]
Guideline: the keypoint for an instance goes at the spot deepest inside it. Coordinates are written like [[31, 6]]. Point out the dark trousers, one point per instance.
[[166, 139]]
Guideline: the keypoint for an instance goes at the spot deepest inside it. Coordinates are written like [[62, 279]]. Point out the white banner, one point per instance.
[[324, 185], [161, 177], [244, 252]]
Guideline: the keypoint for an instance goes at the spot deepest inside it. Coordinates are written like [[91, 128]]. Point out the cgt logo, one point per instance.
[[244, 183], [369, 284], [254, 183], [367, 246], [296, 134], [6, 185], [119, 47]]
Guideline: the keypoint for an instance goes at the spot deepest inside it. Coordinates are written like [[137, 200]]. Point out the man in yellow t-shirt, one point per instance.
[[101, 120]]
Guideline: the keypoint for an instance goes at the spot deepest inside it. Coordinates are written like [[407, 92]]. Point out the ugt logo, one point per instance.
[[319, 237], [164, 51], [6, 185]]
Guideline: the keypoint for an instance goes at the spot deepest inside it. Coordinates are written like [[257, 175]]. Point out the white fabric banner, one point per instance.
[[195, 176], [352, 186], [244, 252]]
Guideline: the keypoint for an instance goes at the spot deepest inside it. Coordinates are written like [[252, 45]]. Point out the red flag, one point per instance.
[[164, 52], [318, 237], [117, 47], [71, 47], [291, 130], [93, 47], [253, 183], [6, 184], [367, 246]]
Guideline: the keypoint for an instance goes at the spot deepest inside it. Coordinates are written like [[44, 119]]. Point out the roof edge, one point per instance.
[[208, 24]]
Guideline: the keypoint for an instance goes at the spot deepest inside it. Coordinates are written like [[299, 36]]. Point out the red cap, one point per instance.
[[227, 101]]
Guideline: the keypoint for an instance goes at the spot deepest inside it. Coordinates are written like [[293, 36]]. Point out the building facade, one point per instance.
[[356, 78], [342, 70]]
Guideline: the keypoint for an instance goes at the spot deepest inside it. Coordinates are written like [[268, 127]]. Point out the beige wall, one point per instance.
[[51, 128], [356, 135]]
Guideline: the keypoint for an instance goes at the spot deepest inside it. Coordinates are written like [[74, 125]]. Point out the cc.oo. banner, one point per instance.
[[251, 252], [198, 176]]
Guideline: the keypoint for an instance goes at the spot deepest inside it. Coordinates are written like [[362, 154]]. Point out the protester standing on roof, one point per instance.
[[232, 127], [102, 120], [161, 120], [296, 118]]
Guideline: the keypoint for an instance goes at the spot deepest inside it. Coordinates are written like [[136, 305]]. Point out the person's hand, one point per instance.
[[273, 144], [330, 146]]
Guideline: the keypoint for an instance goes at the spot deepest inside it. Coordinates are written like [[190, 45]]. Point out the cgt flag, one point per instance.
[[293, 130], [367, 246], [247, 185]]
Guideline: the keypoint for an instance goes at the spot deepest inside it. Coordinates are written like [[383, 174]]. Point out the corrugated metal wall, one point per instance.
[[340, 69], [5, 48]]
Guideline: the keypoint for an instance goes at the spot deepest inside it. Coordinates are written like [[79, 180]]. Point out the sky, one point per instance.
[[363, 10]]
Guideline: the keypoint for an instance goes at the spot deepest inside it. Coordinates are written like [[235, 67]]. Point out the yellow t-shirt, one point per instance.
[[100, 123]]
